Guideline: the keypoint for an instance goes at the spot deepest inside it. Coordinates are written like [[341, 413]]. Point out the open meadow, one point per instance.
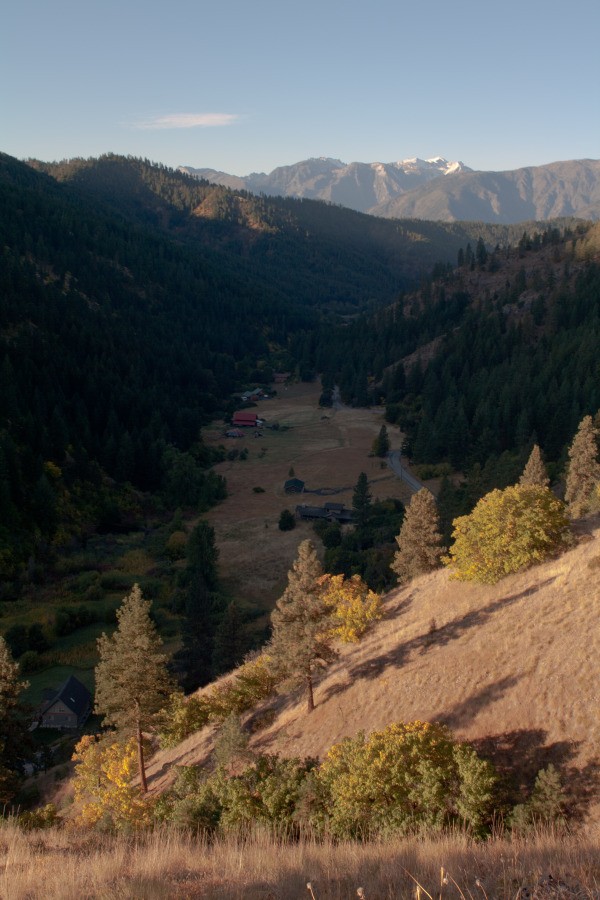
[[325, 448], [167, 865]]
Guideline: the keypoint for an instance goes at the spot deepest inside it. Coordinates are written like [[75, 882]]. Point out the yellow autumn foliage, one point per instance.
[[103, 785], [353, 606], [507, 531]]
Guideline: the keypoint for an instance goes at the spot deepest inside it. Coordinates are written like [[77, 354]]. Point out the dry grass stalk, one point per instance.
[[62, 865]]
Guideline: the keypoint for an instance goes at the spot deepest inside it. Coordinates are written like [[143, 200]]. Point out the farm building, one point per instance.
[[333, 512], [234, 433], [293, 486], [281, 377], [245, 419], [67, 707]]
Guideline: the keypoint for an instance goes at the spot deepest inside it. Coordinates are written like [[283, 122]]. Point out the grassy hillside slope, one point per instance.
[[513, 667]]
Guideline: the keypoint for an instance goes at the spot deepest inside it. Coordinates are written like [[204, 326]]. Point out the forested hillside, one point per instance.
[[486, 359], [137, 300]]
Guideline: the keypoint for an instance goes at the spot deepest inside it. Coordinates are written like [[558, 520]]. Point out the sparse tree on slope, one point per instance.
[[419, 541], [132, 682], [583, 473], [301, 641], [535, 471], [13, 723]]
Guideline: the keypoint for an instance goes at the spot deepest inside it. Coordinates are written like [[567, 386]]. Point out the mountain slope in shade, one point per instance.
[[537, 192], [513, 667], [359, 186]]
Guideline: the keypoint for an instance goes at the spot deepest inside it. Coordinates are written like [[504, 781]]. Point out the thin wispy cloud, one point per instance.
[[186, 120]]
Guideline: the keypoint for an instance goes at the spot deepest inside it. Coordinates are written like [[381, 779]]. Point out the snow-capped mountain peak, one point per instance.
[[361, 186]]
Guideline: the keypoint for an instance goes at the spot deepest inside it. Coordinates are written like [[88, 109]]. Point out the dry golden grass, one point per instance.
[[513, 667], [62, 865]]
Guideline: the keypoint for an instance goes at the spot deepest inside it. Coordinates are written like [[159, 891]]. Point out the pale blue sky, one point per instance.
[[247, 85]]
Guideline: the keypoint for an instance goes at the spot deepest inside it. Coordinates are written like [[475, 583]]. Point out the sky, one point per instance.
[[248, 85]]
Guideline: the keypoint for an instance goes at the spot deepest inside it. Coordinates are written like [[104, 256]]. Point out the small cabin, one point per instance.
[[293, 486], [67, 707]]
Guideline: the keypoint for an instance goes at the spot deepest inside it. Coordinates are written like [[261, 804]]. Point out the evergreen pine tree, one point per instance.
[[381, 444], [203, 608], [535, 470], [132, 682], [419, 541], [300, 644], [13, 723], [583, 472], [230, 640], [361, 501]]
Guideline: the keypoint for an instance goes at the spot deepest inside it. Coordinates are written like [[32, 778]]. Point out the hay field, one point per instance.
[[326, 448]]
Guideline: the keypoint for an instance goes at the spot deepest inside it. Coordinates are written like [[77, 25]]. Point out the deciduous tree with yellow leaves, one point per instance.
[[508, 530], [104, 770]]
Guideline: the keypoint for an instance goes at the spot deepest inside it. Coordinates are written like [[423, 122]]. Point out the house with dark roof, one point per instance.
[[293, 486], [333, 512], [67, 707]]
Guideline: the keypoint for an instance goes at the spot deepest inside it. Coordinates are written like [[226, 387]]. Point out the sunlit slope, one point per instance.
[[514, 667]]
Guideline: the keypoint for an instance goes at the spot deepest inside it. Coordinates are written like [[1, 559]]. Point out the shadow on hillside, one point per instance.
[[439, 637], [394, 612], [518, 757], [462, 713]]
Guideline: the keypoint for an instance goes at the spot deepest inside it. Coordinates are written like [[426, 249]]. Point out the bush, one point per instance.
[[183, 717], [31, 662], [544, 807], [399, 780], [253, 682], [45, 817], [66, 621], [287, 521], [114, 580], [507, 531]]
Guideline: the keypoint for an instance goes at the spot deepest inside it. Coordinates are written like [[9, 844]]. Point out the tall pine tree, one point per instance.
[[132, 682], [419, 541], [535, 471], [301, 642], [583, 473]]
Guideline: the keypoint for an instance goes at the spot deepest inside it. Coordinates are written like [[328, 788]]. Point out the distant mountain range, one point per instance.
[[433, 189]]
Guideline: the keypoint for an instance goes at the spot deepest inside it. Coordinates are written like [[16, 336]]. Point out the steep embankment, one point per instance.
[[513, 667]]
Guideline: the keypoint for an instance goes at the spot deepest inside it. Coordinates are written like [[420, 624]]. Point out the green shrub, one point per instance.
[[544, 807], [31, 662], [114, 580], [176, 544], [287, 521], [399, 780], [182, 717], [85, 580], [507, 531], [45, 817]]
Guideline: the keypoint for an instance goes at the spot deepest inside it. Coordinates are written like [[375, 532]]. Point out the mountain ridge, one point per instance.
[[357, 185], [433, 189]]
